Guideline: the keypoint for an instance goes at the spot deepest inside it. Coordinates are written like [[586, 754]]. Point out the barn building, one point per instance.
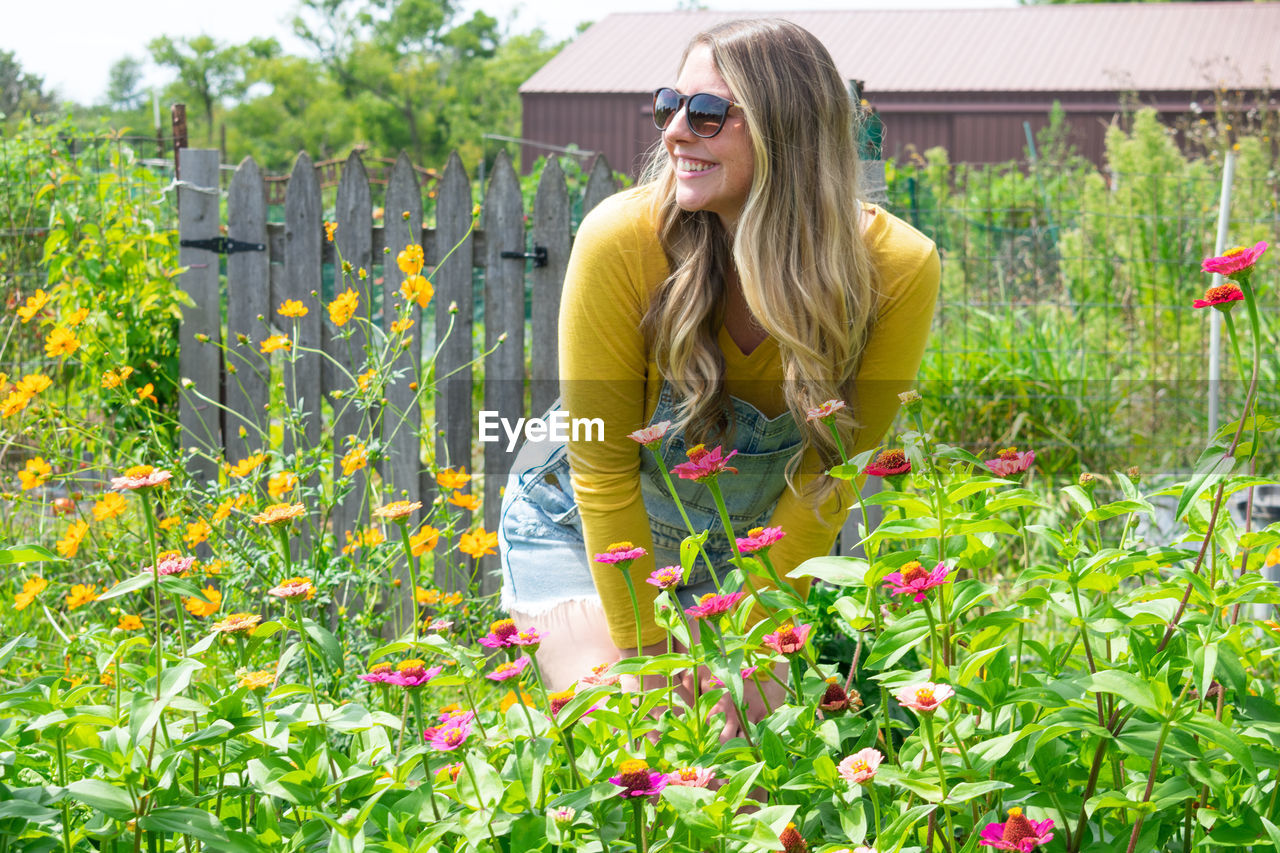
[[965, 79]]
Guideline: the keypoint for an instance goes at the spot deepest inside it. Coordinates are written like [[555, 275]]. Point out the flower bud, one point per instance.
[[1134, 474], [405, 216], [1088, 482], [911, 400]]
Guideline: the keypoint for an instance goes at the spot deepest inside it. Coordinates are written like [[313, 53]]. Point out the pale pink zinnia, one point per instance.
[[924, 698], [509, 669], [1009, 462], [826, 410], [140, 477], [788, 639], [759, 538], [293, 588], [714, 604], [1017, 833], [650, 434], [861, 766], [691, 777], [173, 565], [1234, 261], [666, 577], [600, 675], [528, 637], [915, 580]]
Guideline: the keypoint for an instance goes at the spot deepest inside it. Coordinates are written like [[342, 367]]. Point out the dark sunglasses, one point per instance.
[[705, 115]]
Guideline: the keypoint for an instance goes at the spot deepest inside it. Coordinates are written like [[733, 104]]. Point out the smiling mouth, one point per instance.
[[684, 165]]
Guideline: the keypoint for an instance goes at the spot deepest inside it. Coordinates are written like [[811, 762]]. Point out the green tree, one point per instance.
[[124, 80], [20, 91], [208, 71]]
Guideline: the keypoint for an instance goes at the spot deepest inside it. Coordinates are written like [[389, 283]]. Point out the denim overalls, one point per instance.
[[542, 552]]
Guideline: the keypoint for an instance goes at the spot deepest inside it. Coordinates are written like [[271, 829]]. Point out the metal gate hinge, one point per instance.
[[539, 256], [223, 245]]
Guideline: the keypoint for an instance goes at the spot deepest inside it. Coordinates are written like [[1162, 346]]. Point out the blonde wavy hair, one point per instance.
[[797, 247]]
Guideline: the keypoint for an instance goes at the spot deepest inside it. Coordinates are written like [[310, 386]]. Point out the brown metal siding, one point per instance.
[[618, 125]]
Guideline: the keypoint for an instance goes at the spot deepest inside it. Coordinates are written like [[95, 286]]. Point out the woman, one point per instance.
[[740, 284]]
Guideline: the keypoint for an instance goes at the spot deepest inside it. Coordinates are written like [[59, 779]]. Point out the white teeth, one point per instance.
[[692, 165]]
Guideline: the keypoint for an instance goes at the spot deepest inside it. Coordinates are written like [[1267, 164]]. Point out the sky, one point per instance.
[[73, 43]]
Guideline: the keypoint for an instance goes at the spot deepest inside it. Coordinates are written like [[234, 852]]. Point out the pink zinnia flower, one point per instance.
[[173, 565], [529, 637], [914, 579], [704, 464], [666, 577], [140, 477], [714, 604], [500, 634], [412, 673], [759, 538], [1234, 261], [888, 463], [450, 737], [745, 673], [1223, 294], [599, 675], [619, 552], [1017, 833], [294, 588], [377, 674], [861, 766], [456, 716], [826, 410], [924, 698], [509, 669], [1009, 462], [650, 434], [637, 780], [691, 777], [788, 639]]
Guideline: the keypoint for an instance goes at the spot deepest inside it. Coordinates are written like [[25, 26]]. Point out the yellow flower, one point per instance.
[[170, 522], [224, 509], [453, 599], [259, 680], [279, 513], [415, 288], [147, 392], [329, 228], [450, 479], [410, 259], [427, 596], [199, 607], [281, 484], [81, 595], [116, 376], [354, 459], [510, 699], [77, 317], [343, 308], [14, 403], [292, 308], [215, 568], [197, 532], [34, 303], [424, 540], [467, 502], [479, 543], [366, 538], [33, 383], [69, 544], [31, 588], [364, 379], [35, 474], [109, 506], [129, 622], [60, 343], [245, 466], [399, 327], [276, 342]]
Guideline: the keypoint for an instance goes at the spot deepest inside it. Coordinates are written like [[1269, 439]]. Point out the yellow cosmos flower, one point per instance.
[[14, 403], [246, 466], [170, 522], [366, 538], [116, 376], [35, 474], [199, 607], [224, 509], [31, 588], [292, 308], [364, 379], [34, 303], [343, 308], [415, 288], [109, 506], [354, 459], [61, 343], [77, 317], [129, 622], [197, 531], [478, 543], [424, 540], [276, 343], [82, 594], [399, 327], [467, 502], [69, 544], [329, 229], [410, 259], [281, 484], [33, 383], [451, 479], [260, 680]]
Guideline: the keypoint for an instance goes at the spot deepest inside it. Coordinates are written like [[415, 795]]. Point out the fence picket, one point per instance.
[[600, 184], [551, 231], [248, 299], [200, 363], [453, 334], [303, 238]]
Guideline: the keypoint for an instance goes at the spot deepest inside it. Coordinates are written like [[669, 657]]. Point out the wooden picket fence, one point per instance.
[[290, 264]]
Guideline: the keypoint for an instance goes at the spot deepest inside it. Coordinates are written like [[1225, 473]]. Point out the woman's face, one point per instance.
[[711, 174]]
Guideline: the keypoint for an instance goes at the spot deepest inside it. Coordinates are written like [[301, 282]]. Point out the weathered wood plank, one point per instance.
[[402, 418], [199, 406], [503, 337], [345, 346], [301, 281], [600, 184], [551, 231], [454, 302], [248, 313]]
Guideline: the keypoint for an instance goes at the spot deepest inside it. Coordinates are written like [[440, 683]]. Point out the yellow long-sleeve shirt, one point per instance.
[[607, 373]]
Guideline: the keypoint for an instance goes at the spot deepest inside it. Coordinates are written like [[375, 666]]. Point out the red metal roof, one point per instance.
[[1085, 47]]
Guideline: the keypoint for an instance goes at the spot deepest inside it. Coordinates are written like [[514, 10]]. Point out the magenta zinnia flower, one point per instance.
[[888, 463], [450, 737], [650, 434], [412, 673], [666, 577], [1223, 294], [500, 634], [826, 410], [759, 538], [599, 675], [619, 552], [704, 464], [861, 766], [637, 780], [915, 580], [745, 673], [1017, 833], [529, 637], [691, 777], [1010, 462], [924, 698], [714, 604], [788, 639], [509, 669], [378, 674], [1234, 261]]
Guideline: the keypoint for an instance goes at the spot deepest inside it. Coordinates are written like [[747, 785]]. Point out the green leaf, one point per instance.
[[126, 586], [689, 548], [1272, 832], [839, 571], [28, 554], [974, 663], [1208, 659], [1213, 465], [197, 823], [897, 640], [108, 799], [330, 648], [966, 791], [1127, 686], [972, 486], [1210, 729]]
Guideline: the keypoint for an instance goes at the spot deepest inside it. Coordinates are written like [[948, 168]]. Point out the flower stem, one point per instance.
[[635, 604], [155, 581], [934, 641], [927, 719], [642, 840], [684, 516], [413, 575]]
